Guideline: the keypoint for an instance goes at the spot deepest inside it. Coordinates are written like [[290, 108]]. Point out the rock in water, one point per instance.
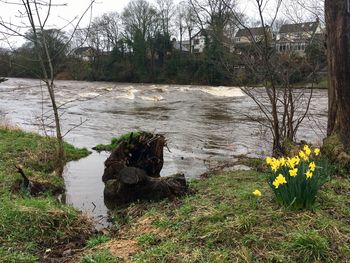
[[132, 172]]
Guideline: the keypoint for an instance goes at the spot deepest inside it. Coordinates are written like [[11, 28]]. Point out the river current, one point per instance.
[[204, 126]]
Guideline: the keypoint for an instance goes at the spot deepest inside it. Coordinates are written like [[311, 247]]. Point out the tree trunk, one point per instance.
[[337, 13]]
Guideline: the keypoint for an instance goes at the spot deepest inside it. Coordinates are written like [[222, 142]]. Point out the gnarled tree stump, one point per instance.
[[132, 171]]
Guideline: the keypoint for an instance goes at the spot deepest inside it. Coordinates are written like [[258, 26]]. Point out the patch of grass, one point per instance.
[[309, 245], [147, 240], [97, 240], [103, 256], [28, 225], [224, 222], [115, 141]]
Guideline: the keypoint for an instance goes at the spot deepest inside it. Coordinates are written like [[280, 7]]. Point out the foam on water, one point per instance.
[[152, 98], [229, 92]]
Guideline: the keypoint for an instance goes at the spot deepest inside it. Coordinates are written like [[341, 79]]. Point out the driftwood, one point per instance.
[[32, 188], [132, 172], [2, 79]]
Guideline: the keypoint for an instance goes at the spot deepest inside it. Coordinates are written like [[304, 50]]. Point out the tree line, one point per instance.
[[137, 45]]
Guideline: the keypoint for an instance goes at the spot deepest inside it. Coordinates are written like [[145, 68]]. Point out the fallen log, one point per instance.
[[134, 184]]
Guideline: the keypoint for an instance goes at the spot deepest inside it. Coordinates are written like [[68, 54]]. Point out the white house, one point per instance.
[[296, 37]]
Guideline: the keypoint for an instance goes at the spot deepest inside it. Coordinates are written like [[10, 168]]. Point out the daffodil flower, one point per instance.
[[312, 166], [317, 151], [307, 150], [309, 174], [293, 172], [280, 179], [257, 193], [303, 156]]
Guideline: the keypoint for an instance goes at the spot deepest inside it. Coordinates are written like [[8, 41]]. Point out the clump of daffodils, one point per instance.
[[296, 180]]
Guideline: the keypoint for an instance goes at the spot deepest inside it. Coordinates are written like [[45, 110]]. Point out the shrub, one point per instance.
[[295, 181]]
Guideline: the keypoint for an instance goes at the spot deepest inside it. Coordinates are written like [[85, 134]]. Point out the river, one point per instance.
[[203, 125]]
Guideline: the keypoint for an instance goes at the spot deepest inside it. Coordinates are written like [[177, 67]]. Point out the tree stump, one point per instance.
[[132, 171]]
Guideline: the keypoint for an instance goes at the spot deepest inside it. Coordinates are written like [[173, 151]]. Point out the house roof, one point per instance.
[[300, 27], [247, 32]]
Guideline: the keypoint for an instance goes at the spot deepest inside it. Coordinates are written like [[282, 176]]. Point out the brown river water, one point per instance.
[[204, 126]]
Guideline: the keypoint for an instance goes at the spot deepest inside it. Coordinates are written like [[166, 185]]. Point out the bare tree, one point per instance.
[[213, 16], [37, 13], [282, 108], [166, 12]]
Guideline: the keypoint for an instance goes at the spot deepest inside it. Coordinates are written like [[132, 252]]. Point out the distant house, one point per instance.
[[84, 53], [199, 41], [183, 47], [296, 37], [246, 36]]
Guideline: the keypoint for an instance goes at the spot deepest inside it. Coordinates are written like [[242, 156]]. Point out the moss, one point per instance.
[[115, 141], [334, 150]]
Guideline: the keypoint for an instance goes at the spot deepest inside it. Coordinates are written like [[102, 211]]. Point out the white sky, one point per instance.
[[9, 12], [60, 15]]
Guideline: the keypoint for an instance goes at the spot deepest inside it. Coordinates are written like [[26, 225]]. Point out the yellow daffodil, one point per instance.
[[296, 160], [307, 150], [317, 151], [257, 193], [268, 160], [293, 172], [303, 156], [280, 179], [312, 166], [276, 184], [309, 174], [290, 163], [282, 161]]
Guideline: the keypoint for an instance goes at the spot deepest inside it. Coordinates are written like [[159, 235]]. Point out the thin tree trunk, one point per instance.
[[337, 13]]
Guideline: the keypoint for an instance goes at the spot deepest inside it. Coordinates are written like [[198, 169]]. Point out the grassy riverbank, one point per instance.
[[221, 222], [224, 222], [35, 228]]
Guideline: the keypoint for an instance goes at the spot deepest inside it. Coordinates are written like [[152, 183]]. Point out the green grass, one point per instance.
[[31, 225], [102, 256], [224, 222], [97, 240], [115, 141]]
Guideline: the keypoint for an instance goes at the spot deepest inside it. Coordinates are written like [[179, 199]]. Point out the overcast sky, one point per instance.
[[74, 8]]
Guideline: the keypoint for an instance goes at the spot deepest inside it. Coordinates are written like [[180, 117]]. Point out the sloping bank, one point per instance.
[[36, 228], [225, 222]]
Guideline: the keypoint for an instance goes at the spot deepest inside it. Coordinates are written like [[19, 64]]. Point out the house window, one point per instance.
[[196, 41], [238, 39]]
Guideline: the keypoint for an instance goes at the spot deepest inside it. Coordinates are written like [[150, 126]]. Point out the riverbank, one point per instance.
[[36, 228], [224, 222]]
